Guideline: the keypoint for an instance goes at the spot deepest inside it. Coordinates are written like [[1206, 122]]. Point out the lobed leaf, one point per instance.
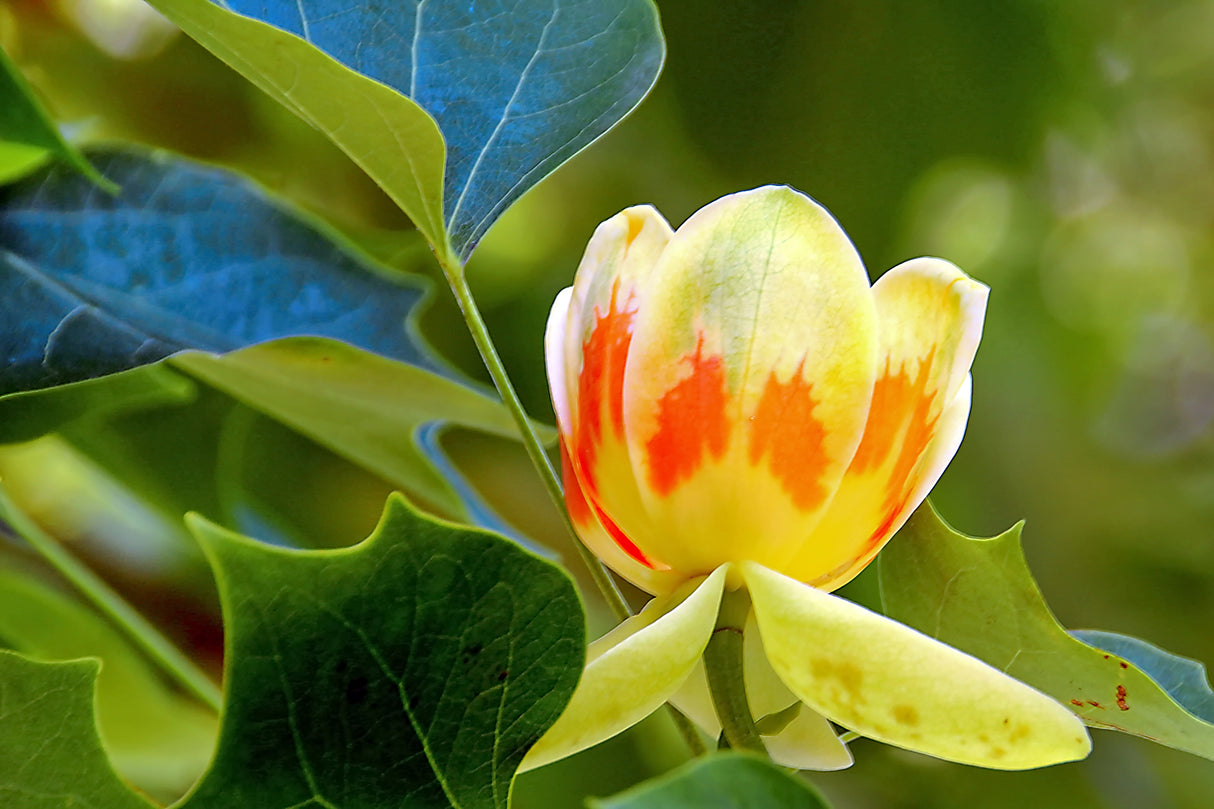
[[515, 88], [414, 669], [979, 596], [186, 257], [50, 755], [157, 738], [720, 781]]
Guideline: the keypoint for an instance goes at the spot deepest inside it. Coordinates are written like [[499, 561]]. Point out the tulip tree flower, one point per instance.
[[744, 423]]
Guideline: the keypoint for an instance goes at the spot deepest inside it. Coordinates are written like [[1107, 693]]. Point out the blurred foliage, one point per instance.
[[1062, 153]]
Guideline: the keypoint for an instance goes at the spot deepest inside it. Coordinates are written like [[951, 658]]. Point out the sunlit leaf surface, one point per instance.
[[978, 595]]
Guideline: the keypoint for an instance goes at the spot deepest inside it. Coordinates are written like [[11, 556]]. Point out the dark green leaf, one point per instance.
[[516, 88], [50, 756], [187, 257], [722, 781], [412, 670], [25, 123], [1184, 679], [979, 596]]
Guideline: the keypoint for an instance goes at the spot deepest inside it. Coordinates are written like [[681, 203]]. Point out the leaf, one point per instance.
[[186, 257], [516, 88], [979, 596], [28, 415], [1183, 679], [414, 669], [50, 756], [158, 739], [720, 781], [365, 408], [24, 123]]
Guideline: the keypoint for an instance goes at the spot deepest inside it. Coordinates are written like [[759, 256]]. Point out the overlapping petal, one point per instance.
[[891, 683], [929, 316], [589, 333], [633, 669], [748, 380]]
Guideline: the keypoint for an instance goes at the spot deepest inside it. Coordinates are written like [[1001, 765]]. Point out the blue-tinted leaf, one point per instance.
[[1183, 679], [186, 257], [517, 87]]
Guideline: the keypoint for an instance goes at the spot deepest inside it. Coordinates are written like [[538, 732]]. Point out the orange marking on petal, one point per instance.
[[784, 430], [902, 408], [575, 499], [620, 538], [601, 381], [691, 419]]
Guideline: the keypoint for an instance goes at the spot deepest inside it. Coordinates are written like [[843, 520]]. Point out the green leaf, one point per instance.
[[50, 755], [26, 416], [414, 669], [516, 88], [363, 407], [157, 739], [720, 781], [24, 123], [979, 596], [186, 257], [1184, 679]]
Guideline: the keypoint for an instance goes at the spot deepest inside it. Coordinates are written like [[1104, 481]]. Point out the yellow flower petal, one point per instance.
[[748, 380], [891, 683], [589, 333], [929, 316], [633, 669]]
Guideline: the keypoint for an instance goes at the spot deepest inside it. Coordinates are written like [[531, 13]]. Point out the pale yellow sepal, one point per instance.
[[633, 669], [891, 683], [808, 742]]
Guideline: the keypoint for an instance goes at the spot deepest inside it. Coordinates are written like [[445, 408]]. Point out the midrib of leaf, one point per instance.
[[391, 676], [505, 116]]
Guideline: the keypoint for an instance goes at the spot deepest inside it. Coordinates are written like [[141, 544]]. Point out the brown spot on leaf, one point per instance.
[[1121, 703], [1077, 703]]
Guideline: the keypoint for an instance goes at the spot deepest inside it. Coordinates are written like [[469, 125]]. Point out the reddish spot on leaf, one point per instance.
[[691, 421], [1125, 665], [1121, 703], [1077, 702], [1095, 704], [786, 434]]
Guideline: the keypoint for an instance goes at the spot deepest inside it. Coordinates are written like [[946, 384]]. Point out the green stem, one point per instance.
[[456, 278], [112, 605], [726, 679]]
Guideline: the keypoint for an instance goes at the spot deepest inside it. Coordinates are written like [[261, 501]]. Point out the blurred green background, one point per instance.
[[1063, 153]]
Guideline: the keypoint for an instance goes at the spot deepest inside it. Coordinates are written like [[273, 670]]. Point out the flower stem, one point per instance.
[[726, 679], [113, 606], [456, 278]]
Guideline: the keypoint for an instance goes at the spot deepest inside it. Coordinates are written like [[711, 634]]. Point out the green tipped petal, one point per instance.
[[633, 669], [891, 683]]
